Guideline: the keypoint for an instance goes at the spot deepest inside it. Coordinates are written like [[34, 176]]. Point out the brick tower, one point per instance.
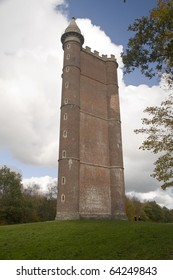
[[90, 173]]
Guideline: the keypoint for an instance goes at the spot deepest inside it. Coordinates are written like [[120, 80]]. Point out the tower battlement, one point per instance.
[[103, 57]]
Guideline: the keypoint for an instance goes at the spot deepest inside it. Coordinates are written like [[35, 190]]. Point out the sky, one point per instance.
[[31, 58]]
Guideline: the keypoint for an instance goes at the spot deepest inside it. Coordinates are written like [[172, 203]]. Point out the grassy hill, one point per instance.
[[87, 240]]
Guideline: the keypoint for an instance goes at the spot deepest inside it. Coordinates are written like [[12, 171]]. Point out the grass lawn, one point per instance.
[[87, 240]]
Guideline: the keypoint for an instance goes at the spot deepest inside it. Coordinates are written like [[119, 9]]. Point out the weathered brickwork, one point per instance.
[[90, 173]]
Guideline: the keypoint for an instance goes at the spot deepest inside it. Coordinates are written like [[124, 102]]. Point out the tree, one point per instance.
[[151, 48], [168, 215], [154, 211], [159, 128], [31, 203], [10, 196], [130, 209], [148, 211], [39, 205], [134, 208]]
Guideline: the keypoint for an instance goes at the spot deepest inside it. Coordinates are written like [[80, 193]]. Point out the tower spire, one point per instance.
[[72, 32]]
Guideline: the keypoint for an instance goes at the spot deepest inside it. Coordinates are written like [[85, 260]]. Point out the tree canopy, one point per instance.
[[159, 128], [10, 196], [24, 205], [151, 48]]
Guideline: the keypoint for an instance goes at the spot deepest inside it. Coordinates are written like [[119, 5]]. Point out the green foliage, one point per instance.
[[154, 211], [10, 196], [167, 215], [87, 240], [148, 211], [38, 206], [159, 128], [24, 205], [134, 208], [151, 48]]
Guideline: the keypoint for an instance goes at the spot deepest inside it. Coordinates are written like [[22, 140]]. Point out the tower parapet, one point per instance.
[[102, 57]]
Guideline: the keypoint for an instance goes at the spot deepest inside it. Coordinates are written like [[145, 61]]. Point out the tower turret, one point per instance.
[[68, 183], [72, 33]]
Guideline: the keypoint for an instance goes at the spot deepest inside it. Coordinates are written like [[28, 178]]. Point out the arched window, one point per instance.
[[65, 116], [63, 198], [65, 133], [66, 101], [63, 180], [68, 46], [68, 56], [64, 154], [67, 68], [66, 84]]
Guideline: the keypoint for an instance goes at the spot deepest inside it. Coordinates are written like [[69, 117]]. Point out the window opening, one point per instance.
[[68, 56], [63, 198], [63, 154], [66, 100], [65, 133], [66, 84], [63, 180], [65, 116]]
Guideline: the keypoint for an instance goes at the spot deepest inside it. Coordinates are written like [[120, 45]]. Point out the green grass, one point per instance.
[[91, 240]]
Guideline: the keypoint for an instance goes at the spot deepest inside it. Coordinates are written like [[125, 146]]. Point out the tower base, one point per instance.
[[66, 216], [119, 216]]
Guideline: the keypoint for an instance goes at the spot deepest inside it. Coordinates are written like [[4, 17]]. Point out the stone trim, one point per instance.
[[100, 165], [70, 104], [99, 117], [92, 164], [103, 83], [73, 158], [91, 78]]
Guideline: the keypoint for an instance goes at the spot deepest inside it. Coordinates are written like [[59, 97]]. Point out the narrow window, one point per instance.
[[68, 46], [68, 56], [65, 133], [65, 116], [66, 84], [64, 154], [67, 69], [63, 180], [66, 101], [63, 198]]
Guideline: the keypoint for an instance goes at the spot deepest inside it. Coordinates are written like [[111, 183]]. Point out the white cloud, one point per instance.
[[138, 163], [43, 182], [30, 78], [30, 89], [162, 197]]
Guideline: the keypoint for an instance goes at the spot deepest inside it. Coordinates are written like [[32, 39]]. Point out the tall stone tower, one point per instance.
[[90, 173]]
